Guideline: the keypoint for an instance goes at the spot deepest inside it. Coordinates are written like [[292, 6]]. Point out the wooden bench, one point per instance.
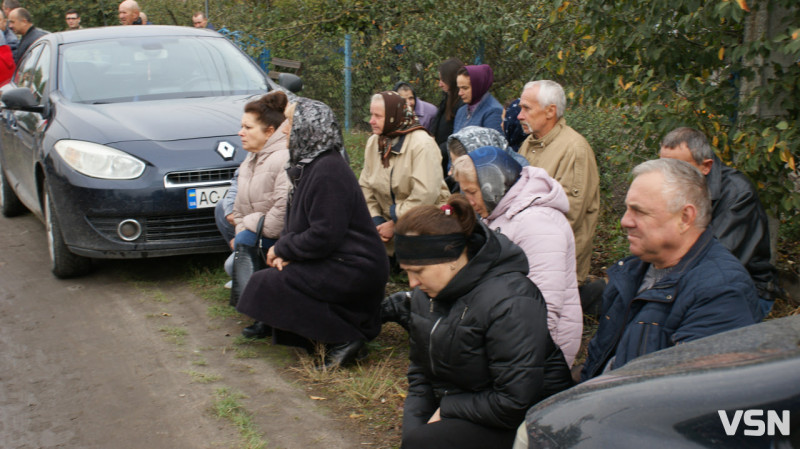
[[295, 66]]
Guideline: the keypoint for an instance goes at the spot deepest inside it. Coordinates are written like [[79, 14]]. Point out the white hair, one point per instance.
[[683, 184], [550, 92]]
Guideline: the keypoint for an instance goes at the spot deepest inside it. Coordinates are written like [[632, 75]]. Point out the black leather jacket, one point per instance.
[[740, 224], [481, 351]]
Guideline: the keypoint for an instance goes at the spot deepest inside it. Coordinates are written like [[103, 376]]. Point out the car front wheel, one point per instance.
[[10, 205], [63, 263]]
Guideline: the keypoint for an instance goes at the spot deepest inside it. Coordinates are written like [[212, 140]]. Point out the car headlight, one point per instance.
[[99, 161]]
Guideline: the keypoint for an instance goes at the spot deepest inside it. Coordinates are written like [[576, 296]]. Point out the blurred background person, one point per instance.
[[442, 125], [199, 20], [424, 111], [73, 19], [21, 22]]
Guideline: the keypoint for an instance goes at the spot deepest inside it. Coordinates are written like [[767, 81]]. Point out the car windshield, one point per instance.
[[123, 70]]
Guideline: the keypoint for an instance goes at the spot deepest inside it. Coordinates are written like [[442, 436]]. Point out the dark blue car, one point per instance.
[[122, 140]]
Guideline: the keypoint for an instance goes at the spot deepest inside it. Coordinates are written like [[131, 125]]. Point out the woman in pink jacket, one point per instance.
[[529, 207], [262, 183]]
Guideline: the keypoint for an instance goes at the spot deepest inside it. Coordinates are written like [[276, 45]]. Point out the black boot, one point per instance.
[[343, 354], [257, 330]]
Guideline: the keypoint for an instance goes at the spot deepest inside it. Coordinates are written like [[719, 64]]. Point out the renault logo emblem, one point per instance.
[[226, 150]]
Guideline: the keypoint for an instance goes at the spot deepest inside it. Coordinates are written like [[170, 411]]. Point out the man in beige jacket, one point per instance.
[[567, 157]]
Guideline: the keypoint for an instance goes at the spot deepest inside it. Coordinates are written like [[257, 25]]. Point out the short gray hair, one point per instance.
[[464, 169], [683, 184], [694, 140], [550, 92]]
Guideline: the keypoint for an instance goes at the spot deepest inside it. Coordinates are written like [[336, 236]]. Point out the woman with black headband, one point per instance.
[[480, 350]]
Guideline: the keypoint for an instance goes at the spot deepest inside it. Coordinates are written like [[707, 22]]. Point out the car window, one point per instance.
[[122, 70], [24, 75], [41, 73]]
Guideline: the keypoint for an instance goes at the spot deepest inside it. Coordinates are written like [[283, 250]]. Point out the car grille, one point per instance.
[[195, 227], [196, 178]]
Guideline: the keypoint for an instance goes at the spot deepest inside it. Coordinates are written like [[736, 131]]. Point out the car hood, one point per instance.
[[160, 120]]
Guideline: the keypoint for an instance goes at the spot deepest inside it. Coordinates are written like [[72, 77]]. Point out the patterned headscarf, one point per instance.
[[497, 172], [399, 119], [473, 137], [314, 131]]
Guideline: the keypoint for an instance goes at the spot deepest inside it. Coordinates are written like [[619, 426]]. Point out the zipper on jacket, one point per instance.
[[464, 312], [430, 343], [431, 301]]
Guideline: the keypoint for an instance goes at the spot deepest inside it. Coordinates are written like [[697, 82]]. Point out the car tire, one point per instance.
[[63, 263], [10, 205]]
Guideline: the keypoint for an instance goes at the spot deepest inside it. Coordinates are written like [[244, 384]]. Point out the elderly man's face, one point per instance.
[[199, 21], [126, 15], [654, 233], [534, 118]]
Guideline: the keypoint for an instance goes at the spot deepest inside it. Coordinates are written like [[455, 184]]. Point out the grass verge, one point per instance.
[[227, 405]]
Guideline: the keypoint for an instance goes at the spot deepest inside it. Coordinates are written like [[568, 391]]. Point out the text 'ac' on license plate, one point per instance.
[[205, 197]]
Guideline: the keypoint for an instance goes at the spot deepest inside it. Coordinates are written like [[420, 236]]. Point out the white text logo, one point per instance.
[[754, 422]]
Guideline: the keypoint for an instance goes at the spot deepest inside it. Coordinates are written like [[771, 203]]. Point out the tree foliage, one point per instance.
[[650, 65]]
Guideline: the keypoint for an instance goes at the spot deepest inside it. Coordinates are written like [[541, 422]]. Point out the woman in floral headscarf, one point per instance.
[[401, 165], [328, 268]]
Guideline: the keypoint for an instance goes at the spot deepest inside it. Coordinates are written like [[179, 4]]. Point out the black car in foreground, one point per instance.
[[738, 389], [122, 139]]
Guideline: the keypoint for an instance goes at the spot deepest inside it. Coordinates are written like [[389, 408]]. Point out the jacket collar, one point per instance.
[[550, 136], [632, 269], [714, 179]]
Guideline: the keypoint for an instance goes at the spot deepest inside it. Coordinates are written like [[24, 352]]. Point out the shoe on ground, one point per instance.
[[257, 330], [343, 354]]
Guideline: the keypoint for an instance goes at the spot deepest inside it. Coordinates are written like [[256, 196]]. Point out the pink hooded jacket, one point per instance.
[[532, 214]]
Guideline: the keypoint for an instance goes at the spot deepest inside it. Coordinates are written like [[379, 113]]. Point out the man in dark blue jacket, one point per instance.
[[681, 284], [737, 218]]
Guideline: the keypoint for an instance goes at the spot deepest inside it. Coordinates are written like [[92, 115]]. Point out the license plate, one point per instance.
[[205, 197]]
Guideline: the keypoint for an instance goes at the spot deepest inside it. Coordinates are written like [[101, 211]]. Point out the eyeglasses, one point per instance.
[[72, 18]]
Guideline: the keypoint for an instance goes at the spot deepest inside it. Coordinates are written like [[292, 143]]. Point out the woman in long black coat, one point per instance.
[[329, 268]]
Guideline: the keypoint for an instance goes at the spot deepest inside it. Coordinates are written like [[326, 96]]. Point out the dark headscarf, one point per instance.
[[400, 84], [399, 120], [481, 78], [314, 131], [513, 130], [497, 172]]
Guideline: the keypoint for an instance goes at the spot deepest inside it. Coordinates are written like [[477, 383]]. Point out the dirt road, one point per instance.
[[97, 362]]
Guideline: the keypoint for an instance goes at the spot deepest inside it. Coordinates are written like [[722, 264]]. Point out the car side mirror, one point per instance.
[[290, 82], [21, 99]]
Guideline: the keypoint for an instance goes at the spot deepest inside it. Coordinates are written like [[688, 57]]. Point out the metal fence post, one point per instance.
[[348, 82]]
